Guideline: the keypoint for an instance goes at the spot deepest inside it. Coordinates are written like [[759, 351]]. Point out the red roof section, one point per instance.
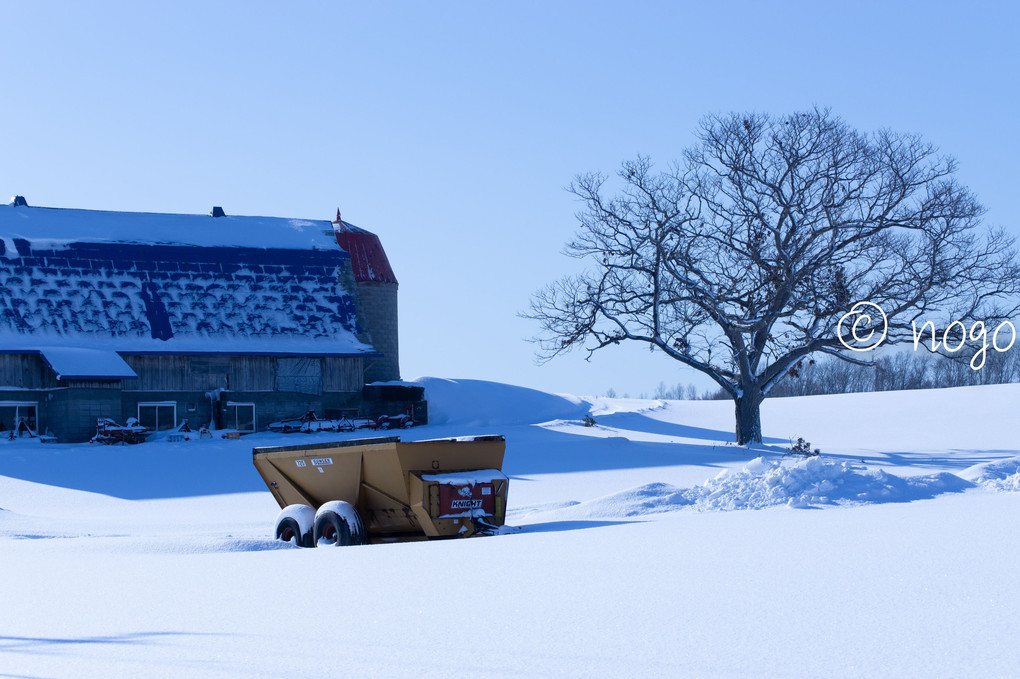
[[368, 259]]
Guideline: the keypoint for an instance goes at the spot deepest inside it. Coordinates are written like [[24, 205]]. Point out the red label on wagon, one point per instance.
[[456, 499]]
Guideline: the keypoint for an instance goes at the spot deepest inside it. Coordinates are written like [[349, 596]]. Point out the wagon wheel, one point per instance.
[[339, 523], [290, 521]]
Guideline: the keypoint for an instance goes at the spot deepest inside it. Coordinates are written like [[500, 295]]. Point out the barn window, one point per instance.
[[13, 413], [240, 416], [158, 416]]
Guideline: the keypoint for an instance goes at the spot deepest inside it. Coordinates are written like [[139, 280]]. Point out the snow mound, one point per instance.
[[1003, 475], [765, 483], [604, 405], [481, 403], [176, 544]]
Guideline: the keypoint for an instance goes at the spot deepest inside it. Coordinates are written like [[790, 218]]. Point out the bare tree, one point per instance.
[[740, 259]]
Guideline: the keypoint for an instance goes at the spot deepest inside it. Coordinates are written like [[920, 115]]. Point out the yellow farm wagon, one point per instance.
[[386, 490]]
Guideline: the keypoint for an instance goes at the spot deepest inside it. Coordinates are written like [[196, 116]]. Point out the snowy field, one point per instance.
[[649, 546]]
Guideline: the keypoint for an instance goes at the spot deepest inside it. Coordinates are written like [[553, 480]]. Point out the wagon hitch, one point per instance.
[[482, 527]]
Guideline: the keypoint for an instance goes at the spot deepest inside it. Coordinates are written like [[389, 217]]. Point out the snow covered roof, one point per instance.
[[113, 281], [72, 363], [62, 225]]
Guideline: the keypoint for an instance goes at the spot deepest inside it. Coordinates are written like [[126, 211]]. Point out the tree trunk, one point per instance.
[[748, 417]]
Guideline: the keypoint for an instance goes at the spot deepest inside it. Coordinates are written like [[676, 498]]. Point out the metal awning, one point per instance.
[[76, 363]]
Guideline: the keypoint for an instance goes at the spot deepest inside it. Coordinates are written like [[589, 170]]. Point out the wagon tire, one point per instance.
[[338, 523], [288, 528]]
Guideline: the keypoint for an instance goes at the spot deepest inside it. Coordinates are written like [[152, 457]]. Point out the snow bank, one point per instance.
[[997, 475], [481, 403], [604, 405], [765, 483], [816, 480]]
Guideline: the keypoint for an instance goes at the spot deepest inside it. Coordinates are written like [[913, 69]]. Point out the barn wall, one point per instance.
[[275, 406], [193, 406], [96, 384], [253, 373], [301, 375], [280, 387], [343, 374], [71, 414], [165, 373], [305, 375], [68, 409], [26, 371]]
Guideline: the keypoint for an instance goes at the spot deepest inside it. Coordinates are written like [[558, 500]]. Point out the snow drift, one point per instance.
[[765, 483], [1003, 475], [475, 403]]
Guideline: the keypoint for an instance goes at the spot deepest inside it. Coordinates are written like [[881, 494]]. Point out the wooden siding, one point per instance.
[[97, 384], [26, 371], [252, 373], [165, 373], [342, 374], [242, 373]]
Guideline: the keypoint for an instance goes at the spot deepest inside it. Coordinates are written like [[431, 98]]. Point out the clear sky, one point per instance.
[[451, 128]]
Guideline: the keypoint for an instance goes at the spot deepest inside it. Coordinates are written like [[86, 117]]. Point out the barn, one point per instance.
[[216, 319]]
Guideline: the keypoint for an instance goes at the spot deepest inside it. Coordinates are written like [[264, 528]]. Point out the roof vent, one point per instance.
[[19, 201], [217, 211]]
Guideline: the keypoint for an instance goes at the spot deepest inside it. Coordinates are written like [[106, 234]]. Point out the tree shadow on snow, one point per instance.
[[950, 459], [192, 469], [642, 423], [552, 451]]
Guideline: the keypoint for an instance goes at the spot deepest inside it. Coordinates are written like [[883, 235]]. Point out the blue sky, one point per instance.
[[450, 129]]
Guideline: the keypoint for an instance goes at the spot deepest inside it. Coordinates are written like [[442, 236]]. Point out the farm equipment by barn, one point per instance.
[[20, 430], [109, 432], [385, 490], [310, 423]]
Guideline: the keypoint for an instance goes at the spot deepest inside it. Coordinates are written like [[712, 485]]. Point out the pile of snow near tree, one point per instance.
[[1002, 475], [814, 481], [765, 483]]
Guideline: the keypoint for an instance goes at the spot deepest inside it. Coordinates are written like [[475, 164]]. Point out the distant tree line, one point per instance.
[[896, 371]]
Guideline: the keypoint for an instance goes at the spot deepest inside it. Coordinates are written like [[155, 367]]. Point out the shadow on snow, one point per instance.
[[147, 471]]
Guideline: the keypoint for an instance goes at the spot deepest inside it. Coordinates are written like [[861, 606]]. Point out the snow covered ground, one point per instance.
[[650, 546]]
